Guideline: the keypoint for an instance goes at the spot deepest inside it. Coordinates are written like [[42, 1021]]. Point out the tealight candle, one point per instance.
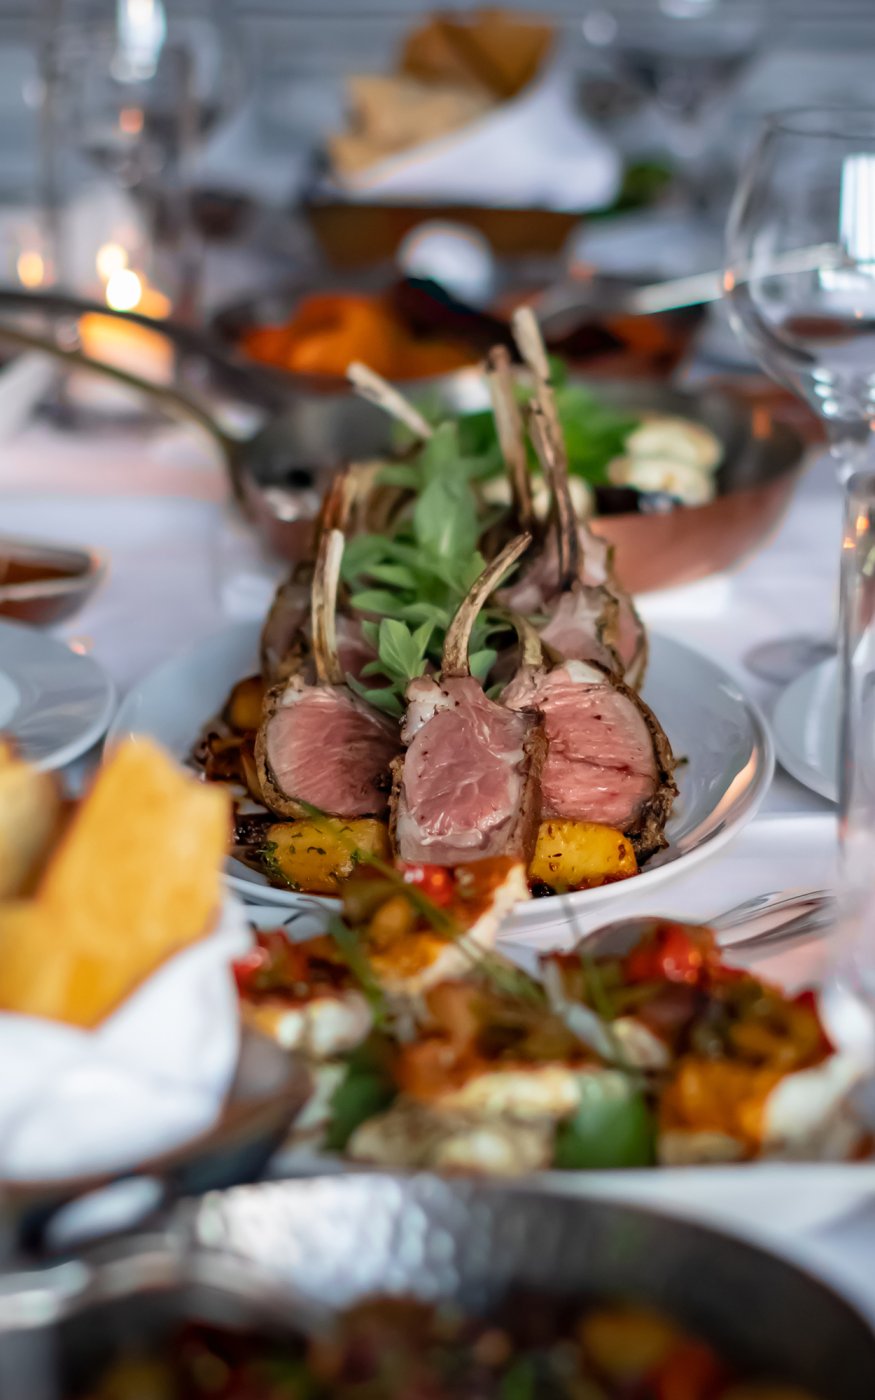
[[122, 344]]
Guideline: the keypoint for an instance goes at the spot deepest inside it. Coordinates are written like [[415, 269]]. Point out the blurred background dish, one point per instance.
[[44, 583], [265, 1258], [54, 702]]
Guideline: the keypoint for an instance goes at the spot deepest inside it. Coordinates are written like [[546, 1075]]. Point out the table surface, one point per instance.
[[154, 501]]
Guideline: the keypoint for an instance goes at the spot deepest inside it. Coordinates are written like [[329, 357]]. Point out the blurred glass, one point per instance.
[[134, 87], [800, 271], [684, 56], [800, 276], [857, 686]]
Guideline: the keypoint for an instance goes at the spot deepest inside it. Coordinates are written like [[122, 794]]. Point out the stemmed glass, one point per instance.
[[800, 280], [135, 86], [684, 55]]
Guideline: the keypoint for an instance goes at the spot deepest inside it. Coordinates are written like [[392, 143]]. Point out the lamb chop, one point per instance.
[[285, 636], [572, 579], [319, 745], [468, 785], [608, 759]]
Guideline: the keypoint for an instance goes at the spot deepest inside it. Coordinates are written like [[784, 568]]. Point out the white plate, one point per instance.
[[54, 703], [806, 722], [710, 723]]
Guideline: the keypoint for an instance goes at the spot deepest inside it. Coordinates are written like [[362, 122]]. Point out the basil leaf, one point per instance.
[[613, 1127], [371, 633]]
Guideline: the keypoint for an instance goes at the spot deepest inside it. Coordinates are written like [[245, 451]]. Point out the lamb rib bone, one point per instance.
[[455, 661], [376, 390], [583, 555], [511, 433]]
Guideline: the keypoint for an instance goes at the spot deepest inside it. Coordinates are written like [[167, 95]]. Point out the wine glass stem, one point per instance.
[[856, 654]]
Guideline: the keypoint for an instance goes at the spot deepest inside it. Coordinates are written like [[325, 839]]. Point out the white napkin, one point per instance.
[[151, 1077], [536, 151]]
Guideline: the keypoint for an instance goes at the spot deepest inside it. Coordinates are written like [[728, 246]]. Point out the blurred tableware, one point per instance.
[[291, 1250], [685, 56], [856, 687], [721, 785], [23, 382], [808, 185], [805, 724], [44, 583], [53, 702], [268, 1089]]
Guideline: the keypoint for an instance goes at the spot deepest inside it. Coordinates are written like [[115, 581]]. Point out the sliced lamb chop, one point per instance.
[[320, 745], [608, 759], [576, 556], [468, 785]]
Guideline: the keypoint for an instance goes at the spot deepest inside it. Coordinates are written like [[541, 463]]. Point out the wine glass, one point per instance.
[[682, 55], [136, 85], [800, 281]]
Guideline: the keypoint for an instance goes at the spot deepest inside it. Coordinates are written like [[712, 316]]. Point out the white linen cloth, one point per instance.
[[151, 1077], [535, 151]]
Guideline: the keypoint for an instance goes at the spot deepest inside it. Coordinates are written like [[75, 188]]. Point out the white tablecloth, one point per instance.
[[153, 501]]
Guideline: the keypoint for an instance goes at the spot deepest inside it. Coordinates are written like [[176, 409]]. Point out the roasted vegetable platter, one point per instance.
[[641, 1047]]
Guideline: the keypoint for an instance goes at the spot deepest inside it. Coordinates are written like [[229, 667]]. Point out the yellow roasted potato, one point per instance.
[[315, 856], [577, 855], [243, 706]]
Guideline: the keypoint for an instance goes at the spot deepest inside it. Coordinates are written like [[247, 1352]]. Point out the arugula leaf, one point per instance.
[[614, 1126], [402, 652], [374, 600], [383, 698], [399, 474], [481, 662]]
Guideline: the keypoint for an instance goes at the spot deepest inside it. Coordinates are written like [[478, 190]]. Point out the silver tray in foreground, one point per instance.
[[255, 1254]]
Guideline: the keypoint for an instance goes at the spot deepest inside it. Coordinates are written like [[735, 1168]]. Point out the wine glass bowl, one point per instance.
[[800, 265]]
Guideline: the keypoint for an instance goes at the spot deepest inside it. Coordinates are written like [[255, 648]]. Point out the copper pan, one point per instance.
[[690, 542], [762, 462]]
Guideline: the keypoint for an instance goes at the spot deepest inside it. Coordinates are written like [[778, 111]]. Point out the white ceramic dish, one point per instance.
[[711, 724], [54, 703], [805, 724]]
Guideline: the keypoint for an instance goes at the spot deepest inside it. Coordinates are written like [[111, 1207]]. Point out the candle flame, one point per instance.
[[123, 290], [110, 257], [31, 268]]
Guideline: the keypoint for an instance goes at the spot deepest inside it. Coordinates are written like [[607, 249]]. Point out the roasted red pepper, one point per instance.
[[434, 881], [673, 953]]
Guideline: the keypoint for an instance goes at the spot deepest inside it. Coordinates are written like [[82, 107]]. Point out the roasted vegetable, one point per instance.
[[577, 855], [315, 856], [243, 707]]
